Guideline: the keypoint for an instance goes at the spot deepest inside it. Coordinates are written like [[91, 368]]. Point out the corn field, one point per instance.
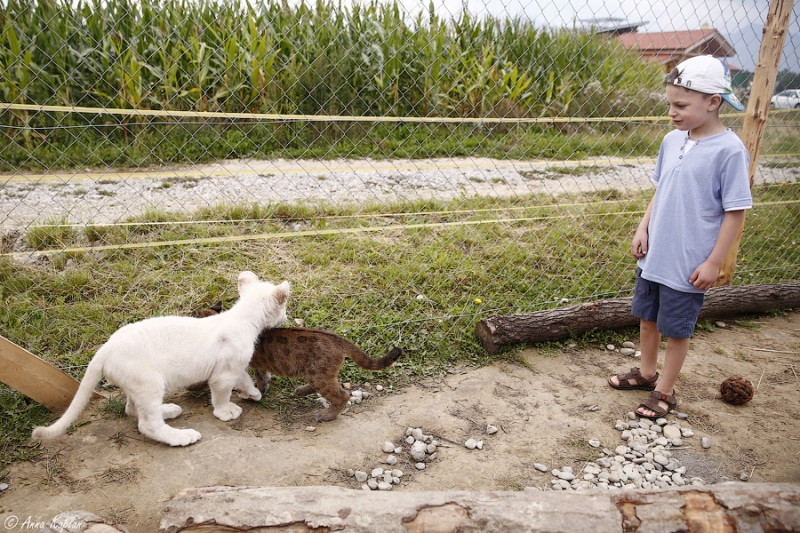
[[272, 58], [410, 169]]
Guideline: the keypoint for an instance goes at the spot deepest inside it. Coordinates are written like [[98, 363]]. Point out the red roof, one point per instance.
[[674, 46]]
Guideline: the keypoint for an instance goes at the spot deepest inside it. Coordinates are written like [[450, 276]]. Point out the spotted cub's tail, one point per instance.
[[364, 361]]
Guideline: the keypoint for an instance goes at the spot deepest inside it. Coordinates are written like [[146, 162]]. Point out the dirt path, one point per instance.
[[107, 468]]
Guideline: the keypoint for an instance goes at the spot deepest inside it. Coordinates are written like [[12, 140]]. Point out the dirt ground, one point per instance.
[[544, 413]]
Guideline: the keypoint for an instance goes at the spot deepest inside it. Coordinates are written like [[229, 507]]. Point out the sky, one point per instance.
[[740, 21]]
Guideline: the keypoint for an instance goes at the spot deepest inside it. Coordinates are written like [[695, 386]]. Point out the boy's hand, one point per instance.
[[704, 276], [639, 244]]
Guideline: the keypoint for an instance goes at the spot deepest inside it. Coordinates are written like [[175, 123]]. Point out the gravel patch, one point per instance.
[[111, 196]]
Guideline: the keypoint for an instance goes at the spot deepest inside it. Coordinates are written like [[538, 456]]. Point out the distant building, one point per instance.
[[671, 47]]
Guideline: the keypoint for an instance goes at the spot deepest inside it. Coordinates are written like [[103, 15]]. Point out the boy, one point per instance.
[[702, 192]]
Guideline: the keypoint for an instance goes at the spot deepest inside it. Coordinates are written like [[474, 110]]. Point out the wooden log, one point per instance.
[[36, 378], [711, 508], [560, 323]]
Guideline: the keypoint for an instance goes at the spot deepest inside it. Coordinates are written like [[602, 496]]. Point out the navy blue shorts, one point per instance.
[[674, 312]]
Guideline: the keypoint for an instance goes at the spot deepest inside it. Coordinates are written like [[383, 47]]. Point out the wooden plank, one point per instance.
[[728, 507], [755, 120], [36, 378]]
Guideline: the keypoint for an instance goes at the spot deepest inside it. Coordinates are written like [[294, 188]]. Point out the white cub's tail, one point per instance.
[[94, 373]]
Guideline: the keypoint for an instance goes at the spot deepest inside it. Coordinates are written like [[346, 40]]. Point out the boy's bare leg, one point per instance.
[[649, 341], [673, 361]]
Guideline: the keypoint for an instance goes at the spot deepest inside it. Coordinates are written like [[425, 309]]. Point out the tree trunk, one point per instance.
[[560, 323], [711, 508]]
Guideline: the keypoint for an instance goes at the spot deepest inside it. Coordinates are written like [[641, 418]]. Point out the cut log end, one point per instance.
[[483, 330]]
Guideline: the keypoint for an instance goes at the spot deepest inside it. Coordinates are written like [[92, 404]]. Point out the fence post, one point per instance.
[[755, 120]]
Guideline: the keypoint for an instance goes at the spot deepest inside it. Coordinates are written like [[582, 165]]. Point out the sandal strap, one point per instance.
[[636, 375], [651, 402]]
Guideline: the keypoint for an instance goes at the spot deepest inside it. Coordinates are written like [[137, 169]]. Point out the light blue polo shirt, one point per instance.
[[693, 191]]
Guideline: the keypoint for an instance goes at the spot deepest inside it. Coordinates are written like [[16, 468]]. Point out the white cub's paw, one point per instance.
[[227, 412], [253, 394], [170, 410], [183, 437]]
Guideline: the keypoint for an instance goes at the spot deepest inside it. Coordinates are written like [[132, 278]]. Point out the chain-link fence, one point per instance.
[[410, 168]]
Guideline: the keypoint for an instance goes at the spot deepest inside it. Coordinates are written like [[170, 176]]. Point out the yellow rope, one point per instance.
[[277, 117], [340, 231]]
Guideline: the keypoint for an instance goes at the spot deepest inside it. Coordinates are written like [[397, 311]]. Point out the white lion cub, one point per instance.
[[148, 358]]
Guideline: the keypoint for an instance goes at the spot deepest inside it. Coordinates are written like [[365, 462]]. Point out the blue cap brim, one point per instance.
[[731, 99]]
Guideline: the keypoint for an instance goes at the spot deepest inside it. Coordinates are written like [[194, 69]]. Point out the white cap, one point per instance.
[[709, 75]]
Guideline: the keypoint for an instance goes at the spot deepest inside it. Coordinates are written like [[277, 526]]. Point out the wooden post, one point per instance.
[[36, 378], [755, 120]]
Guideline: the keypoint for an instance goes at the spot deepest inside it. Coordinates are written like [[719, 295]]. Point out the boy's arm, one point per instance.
[[639, 244], [705, 275]]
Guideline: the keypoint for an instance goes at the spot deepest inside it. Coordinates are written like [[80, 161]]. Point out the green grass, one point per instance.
[[362, 285], [157, 145], [19, 416]]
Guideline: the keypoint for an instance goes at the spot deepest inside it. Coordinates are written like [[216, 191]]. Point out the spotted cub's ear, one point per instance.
[[282, 293], [246, 278]]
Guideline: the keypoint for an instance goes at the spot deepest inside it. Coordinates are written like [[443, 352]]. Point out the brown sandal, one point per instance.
[[642, 383], [651, 403]]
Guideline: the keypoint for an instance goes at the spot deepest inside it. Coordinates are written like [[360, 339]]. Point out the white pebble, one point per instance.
[[672, 432], [418, 451], [594, 443], [372, 484], [628, 344], [720, 324], [365, 487], [471, 444], [388, 447], [411, 440], [430, 448], [398, 450], [356, 394], [687, 432], [361, 477], [397, 473], [610, 347], [377, 472], [418, 434], [491, 430], [627, 351], [384, 486], [391, 460], [479, 444], [705, 442], [378, 388], [540, 467], [420, 466]]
